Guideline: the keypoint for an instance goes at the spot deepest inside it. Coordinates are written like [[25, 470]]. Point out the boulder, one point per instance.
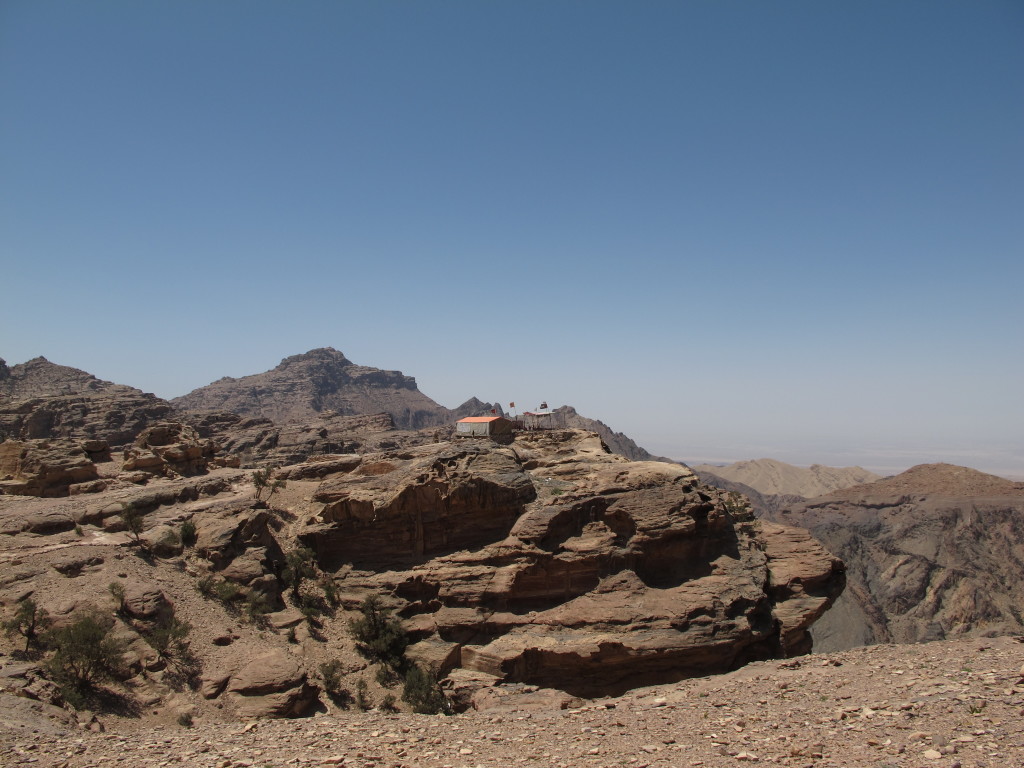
[[43, 467], [146, 601], [272, 685]]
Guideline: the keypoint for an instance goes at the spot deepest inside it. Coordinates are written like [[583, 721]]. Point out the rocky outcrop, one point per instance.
[[169, 448], [47, 467], [261, 443], [272, 685], [936, 552], [553, 562], [617, 442], [321, 381], [42, 400]]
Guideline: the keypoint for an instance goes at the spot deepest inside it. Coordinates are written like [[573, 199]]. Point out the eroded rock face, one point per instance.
[[169, 448], [553, 562], [44, 467], [41, 400], [932, 553]]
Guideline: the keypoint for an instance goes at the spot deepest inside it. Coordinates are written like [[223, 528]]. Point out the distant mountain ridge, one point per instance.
[[320, 389], [773, 477]]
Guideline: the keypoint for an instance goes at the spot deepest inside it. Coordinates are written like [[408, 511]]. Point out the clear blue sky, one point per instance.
[[729, 229]]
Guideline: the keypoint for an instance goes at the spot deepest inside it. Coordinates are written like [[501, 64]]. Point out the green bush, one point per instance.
[[132, 520], [84, 655], [387, 704], [422, 692], [227, 591], [187, 532], [331, 671], [379, 635]]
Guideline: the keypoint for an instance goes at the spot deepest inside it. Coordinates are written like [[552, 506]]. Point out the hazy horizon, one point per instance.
[[787, 229]]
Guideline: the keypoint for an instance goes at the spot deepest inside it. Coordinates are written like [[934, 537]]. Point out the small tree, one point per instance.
[[379, 635], [167, 637], [260, 478], [29, 621], [263, 481], [132, 520], [299, 564], [84, 654]]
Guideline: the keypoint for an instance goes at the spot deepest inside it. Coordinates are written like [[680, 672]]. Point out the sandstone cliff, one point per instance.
[[556, 563], [546, 562], [935, 552]]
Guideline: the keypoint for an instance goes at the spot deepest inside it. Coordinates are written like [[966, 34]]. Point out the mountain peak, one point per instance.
[[303, 386]]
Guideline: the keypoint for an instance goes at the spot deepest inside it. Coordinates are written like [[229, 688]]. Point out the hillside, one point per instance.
[[773, 477], [304, 387], [935, 552], [40, 399]]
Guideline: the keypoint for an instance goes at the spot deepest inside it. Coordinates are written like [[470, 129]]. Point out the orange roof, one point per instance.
[[478, 419]]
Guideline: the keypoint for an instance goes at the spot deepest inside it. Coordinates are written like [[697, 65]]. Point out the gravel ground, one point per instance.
[[948, 704]]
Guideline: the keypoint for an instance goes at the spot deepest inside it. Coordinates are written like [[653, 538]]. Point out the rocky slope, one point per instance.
[[773, 477], [321, 382], [39, 400], [935, 552], [947, 704], [546, 562]]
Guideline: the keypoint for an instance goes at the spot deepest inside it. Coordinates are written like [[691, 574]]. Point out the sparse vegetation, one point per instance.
[[379, 635], [167, 636], [132, 520], [30, 621], [185, 720], [363, 701], [388, 704], [300, 564], [227, 591], [84, 655], [331, 671], [187, 532], [263, 480], [422, 692], [257, 606], [116, 589]]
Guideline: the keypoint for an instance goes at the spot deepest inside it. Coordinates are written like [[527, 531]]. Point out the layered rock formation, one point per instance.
[[41, 400], [47, 467], [556, 563], [320, 382], [935, 552]]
